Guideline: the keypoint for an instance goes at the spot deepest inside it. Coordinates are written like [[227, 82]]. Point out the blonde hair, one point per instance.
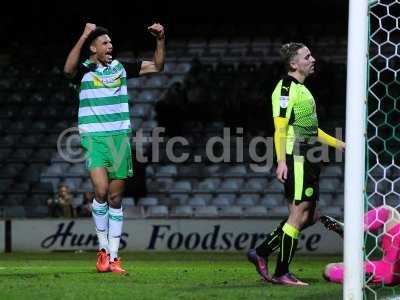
[[288, 52]]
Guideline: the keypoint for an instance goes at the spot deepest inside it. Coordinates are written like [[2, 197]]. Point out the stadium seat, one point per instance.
[[271, 200], [332, 171], [5, 183], [72, 183], [197, 42], [76, 170], [208, 185], [231, 197], [157, 211], [182, 211], [85, 186], [169, 67], [133, 212], [167, 170], [182, 68], [279, 211], [148, 96], [206, 196], [255, 185], [236, 171], [155, 81], [231, 185], [140, 110], [10, 170], [176, 78], [239, 42], [148, 201], [197, 201], [149, 125], [182, 186], [329, 185], [50, 141], [19, 127], [56, 169], [256, 211], [42, 127], [206, 212], [37, 199], [179, 199], [21, 187], [9, 140], [338, 200], [220, 202], [325, 199], [132, 94], [247, 200], [32, 140], [160, 185], [20, 155], [333, 211], [275, 186], [135, 82], [13, 200], [4, 153], [150, 170], [195, 51], [54, 181], [128, 201], [76, 202], [32, 172], [231, 211], [13, 211]]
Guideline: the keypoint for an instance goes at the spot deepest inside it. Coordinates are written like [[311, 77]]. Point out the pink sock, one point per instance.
[[376, 218]]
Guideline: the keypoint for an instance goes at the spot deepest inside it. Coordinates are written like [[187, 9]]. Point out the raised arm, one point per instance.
[[71, 63], [157, 64]]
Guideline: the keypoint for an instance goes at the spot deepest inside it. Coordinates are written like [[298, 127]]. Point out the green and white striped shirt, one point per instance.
[[103, 99]]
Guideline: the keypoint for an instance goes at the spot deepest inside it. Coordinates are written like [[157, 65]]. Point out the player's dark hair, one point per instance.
[[91, 37], [288, 51]]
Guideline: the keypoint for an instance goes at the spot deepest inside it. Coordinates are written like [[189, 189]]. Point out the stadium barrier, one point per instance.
[[159, 235]]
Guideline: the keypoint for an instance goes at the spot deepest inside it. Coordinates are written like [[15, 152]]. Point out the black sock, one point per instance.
[[287, 249], [272, 241]]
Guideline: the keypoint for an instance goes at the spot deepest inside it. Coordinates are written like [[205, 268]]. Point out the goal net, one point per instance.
[[383, 142]]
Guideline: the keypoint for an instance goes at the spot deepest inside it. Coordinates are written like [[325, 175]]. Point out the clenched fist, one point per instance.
[[89, 27], [157, 30]]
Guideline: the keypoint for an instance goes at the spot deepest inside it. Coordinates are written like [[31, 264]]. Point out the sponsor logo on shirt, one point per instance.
[[283, 101]]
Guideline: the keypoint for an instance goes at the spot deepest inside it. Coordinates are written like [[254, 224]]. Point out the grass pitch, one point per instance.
[[158, 276]]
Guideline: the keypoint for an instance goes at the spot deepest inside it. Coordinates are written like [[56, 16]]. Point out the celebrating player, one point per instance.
[[104, 126]]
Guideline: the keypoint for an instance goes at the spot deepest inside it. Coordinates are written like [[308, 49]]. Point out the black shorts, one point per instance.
[[302, 183]]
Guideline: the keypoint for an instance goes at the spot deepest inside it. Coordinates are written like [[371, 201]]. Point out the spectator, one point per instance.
[[61, 204]]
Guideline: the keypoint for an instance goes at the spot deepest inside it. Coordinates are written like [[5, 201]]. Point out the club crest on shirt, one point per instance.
[[283, 101], [107, 81]]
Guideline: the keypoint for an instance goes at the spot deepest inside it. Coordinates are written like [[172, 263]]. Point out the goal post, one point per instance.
[[356, 98], [372, 169]]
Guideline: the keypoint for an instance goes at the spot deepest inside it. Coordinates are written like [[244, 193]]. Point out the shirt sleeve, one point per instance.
[[133, 69], [283, 99]]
